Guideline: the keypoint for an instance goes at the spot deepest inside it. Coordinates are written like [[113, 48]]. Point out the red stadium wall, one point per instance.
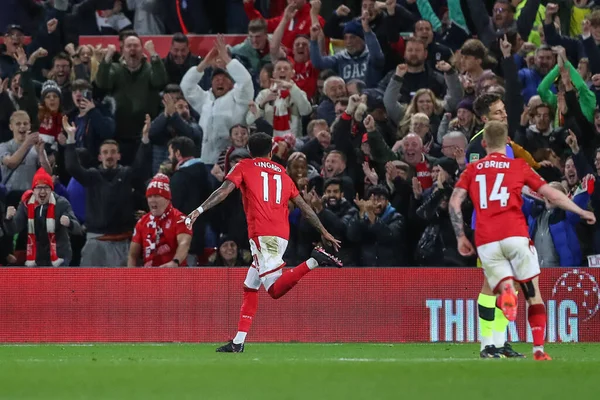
[[199, 45], [329, 305]]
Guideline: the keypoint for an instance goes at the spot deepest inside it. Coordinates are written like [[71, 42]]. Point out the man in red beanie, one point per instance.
[[48, 219], [160, 236]]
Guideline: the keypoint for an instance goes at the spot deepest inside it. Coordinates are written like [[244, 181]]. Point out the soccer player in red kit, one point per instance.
[[266, 190], [494, 184]]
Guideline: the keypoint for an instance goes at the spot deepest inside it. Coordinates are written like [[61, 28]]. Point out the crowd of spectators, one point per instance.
[[375, 108]]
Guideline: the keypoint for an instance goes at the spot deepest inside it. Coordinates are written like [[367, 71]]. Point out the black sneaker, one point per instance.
[[508, 352], [490, 352], [325, 259], [231, 347]]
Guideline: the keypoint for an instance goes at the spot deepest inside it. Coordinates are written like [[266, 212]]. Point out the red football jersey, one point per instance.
[[266, 189], [157, 254], [305, 77], [494, 184]]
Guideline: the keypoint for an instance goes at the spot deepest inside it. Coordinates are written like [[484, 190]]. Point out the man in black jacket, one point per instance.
[[335, 213], [190, 186], [109, 200], [180, 58], [378, 230]]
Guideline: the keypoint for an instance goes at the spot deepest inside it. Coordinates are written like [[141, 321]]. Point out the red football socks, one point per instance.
[[536, 315], [288, 280], [248, 310]]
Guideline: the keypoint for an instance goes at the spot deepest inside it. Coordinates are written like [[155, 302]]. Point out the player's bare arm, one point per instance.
[[459, 195], [184, 242], [455, 206], [215, 198], [561, 200], [313, 219]]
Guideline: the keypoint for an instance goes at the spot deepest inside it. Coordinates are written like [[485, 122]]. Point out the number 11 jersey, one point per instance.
[[494, 184], [266, 189]]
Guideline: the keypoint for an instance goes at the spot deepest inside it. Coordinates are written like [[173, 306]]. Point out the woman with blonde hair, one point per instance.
[[423, 101], [85, 64]]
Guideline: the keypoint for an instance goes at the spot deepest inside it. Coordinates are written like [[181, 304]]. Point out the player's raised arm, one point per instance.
[[559, 199], [459, 195], [215, 198], [310, 215]]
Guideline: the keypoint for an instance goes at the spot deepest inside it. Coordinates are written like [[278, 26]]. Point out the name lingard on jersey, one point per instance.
[[493, 164], [265, 164]]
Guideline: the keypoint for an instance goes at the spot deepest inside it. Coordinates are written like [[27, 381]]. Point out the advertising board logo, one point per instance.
[[582, 288]]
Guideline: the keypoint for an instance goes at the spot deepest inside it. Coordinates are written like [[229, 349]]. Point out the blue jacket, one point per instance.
[[530, 80], [367, 66], [562, 228]]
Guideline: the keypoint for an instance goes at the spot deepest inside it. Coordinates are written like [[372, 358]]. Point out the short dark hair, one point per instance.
[[126, 33], [260, 144], [111, 142], [326, 74], [283, 59], [172, 88], [257, 26], [422, 20], [378, 190], [333, 181], [269, 68], [81, 84], [343, 101], [342, 155], [543, 47], [238, 126], [62, 56], [180, 38], [414, 39], [534, 110], [360, 84], [185, 145], [482, 104]]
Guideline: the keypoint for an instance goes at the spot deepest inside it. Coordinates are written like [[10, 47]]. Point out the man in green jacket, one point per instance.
[[255, 50], [135, 83]]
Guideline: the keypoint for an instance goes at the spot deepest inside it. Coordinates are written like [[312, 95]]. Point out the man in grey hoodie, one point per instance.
[[361, 59]]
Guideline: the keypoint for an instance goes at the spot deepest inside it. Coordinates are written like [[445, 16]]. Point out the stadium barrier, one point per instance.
[[329, 305], [199, 44]]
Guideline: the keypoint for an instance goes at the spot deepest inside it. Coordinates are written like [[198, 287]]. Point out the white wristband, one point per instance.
[[200, 210]]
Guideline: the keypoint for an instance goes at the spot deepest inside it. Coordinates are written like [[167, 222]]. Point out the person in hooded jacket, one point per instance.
[[190, 186], [361, 59]]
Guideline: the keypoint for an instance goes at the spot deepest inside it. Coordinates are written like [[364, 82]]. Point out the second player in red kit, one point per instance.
[[266, 190], [507, 254]]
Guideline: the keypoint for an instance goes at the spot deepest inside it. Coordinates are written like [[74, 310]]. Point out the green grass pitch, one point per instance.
[[294, 371]]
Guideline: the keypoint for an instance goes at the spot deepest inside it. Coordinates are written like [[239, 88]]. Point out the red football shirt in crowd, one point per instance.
[[494, 184], [306, 76], [266, 189], [300, 25], [158, 238]]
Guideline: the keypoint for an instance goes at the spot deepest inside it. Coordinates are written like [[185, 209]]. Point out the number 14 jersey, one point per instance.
[[266, 189], [494, 184]]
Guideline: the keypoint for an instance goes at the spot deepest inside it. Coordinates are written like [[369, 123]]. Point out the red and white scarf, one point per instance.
[[31, 203], [156, 229], [281, 114]]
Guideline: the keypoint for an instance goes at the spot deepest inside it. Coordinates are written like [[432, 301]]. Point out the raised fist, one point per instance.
[[401, 70], [149, 46], [52, 25], [65, 221], [10, 212], [342, 11]]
